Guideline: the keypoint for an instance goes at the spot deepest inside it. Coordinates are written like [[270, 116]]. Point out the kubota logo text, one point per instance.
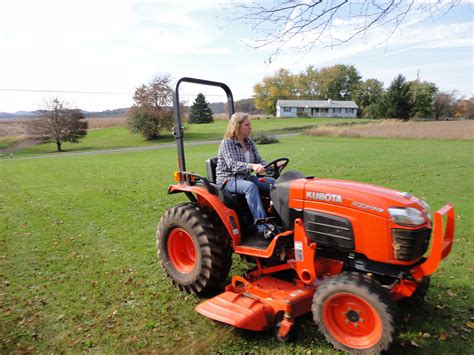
[[322, 196]]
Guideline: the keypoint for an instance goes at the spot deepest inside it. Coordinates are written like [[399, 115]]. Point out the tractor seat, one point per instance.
[[230, 199], [211, 165]]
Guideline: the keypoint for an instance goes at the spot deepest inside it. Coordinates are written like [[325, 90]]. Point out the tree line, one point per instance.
[[151, 113], [402, 99]]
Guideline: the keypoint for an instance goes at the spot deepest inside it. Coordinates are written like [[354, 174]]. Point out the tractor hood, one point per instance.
[[293, 192], [366, 197]]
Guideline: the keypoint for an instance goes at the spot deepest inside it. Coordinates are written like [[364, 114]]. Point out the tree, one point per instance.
[[464, 108], [200, 111], [151, 112], [308, 84], [368, 97], [299, 25], [398, 99], [338, 82], [282, 85], [443, 104], [422, 94], [245, 105], [59, 123]]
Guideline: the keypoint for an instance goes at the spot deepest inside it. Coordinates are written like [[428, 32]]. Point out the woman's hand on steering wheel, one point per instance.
[[258, 168], [274, 168]]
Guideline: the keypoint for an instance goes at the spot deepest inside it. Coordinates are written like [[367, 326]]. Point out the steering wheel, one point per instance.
[[274, 168]]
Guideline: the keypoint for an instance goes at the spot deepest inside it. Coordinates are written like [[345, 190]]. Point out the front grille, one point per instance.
[[410, 244], [329, 230]]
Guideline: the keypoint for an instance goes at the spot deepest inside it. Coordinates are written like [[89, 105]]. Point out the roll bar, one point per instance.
[[178, 127]]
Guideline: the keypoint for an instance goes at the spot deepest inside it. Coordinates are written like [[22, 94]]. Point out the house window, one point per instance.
[[350, 110], [336, 110], [343, 110], [324, 110], [300, 109], [316, 109], [286, 109]]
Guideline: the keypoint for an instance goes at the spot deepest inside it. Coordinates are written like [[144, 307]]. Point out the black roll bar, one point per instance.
[[178, 127]]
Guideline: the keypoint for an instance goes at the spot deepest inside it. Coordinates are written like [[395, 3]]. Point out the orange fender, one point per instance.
[[205, 198]]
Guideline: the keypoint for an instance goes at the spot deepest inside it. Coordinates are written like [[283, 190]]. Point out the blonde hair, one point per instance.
[[234, 125]]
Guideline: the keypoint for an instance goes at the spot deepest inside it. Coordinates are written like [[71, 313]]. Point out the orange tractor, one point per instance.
[[345, 251]]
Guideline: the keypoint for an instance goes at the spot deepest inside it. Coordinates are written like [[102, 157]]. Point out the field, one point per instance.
[[79, 273], [110, 133], [456, 130]]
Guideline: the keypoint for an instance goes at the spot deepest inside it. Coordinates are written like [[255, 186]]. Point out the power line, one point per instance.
[[100, 92], [68, 91]]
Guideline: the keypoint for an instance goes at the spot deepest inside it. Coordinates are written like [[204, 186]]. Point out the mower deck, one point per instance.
[[258, 305]]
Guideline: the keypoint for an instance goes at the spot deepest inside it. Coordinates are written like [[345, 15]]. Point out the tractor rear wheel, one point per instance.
[[355, 313], [194, 252]]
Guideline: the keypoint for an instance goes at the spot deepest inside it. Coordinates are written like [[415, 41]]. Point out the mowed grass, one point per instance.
[[120, 137], [79, 273]]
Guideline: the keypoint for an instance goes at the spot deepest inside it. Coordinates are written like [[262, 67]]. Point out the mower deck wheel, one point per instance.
[[355, 313]]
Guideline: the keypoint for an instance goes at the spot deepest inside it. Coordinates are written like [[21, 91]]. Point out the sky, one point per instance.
[[94, 54]]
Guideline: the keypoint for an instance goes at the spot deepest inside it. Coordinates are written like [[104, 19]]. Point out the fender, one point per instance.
[[205, 198]]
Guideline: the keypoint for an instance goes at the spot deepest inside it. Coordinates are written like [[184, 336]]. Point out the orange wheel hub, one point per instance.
[[352, 321], [181, 250]]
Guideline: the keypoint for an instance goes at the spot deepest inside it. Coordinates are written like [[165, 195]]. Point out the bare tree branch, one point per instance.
[[299, 25]]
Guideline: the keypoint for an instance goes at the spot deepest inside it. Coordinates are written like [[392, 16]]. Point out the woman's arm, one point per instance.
[[256, 153]]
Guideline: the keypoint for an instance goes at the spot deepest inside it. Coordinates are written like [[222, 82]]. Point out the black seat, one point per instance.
[[231, 200], [211, 165]]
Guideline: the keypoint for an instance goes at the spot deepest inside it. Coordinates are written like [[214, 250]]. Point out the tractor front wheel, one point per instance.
[[355, 313], [194, 255]]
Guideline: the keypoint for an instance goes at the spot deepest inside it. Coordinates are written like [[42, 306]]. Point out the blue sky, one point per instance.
[[114, 46]]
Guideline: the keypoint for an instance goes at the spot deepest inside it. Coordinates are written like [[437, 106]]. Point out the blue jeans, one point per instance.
[[250, 188]]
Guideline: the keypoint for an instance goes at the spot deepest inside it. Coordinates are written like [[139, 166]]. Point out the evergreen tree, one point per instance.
[[200, 111], [398, 99]]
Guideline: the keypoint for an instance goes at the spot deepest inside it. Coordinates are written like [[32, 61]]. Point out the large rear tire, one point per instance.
[[355, 313], [194, 252]]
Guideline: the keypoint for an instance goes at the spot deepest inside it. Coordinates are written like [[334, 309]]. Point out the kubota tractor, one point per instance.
[[345, 251]]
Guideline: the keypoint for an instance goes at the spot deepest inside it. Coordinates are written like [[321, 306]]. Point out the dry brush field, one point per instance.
[[451, 130]]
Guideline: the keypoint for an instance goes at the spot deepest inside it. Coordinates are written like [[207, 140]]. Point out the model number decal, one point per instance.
[[298, 251], [322, 196], [363, 206]]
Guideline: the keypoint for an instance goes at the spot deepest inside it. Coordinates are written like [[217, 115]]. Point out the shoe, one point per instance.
[[269, 232]]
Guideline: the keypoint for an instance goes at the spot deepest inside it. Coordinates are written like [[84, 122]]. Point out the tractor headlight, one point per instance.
[[427, 209], [406, 216]]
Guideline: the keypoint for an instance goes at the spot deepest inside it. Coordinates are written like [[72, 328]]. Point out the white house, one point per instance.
[[316, 108]]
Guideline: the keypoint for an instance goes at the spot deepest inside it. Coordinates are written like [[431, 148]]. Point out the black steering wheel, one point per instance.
[[274, 168]]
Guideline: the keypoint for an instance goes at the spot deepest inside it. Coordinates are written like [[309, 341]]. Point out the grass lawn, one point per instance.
[[120, 137], [78, 270], [6, 142]]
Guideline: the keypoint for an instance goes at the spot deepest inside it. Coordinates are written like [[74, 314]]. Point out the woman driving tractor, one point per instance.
[[238, 157]]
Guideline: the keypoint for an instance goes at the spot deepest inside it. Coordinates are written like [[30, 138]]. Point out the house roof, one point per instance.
[[317, 103]]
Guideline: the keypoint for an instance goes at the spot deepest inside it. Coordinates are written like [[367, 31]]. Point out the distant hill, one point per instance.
[[217, 107], [119, 112], [19, 114], [246, 105]]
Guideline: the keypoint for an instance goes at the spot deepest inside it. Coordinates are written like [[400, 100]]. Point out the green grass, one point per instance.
[[6, 142], [78, 270], [120, 137]]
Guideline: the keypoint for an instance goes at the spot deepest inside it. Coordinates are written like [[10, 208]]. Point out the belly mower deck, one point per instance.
[[260, 304]]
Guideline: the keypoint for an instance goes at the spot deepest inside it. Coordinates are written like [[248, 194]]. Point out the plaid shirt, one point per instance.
[[231, 159]]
